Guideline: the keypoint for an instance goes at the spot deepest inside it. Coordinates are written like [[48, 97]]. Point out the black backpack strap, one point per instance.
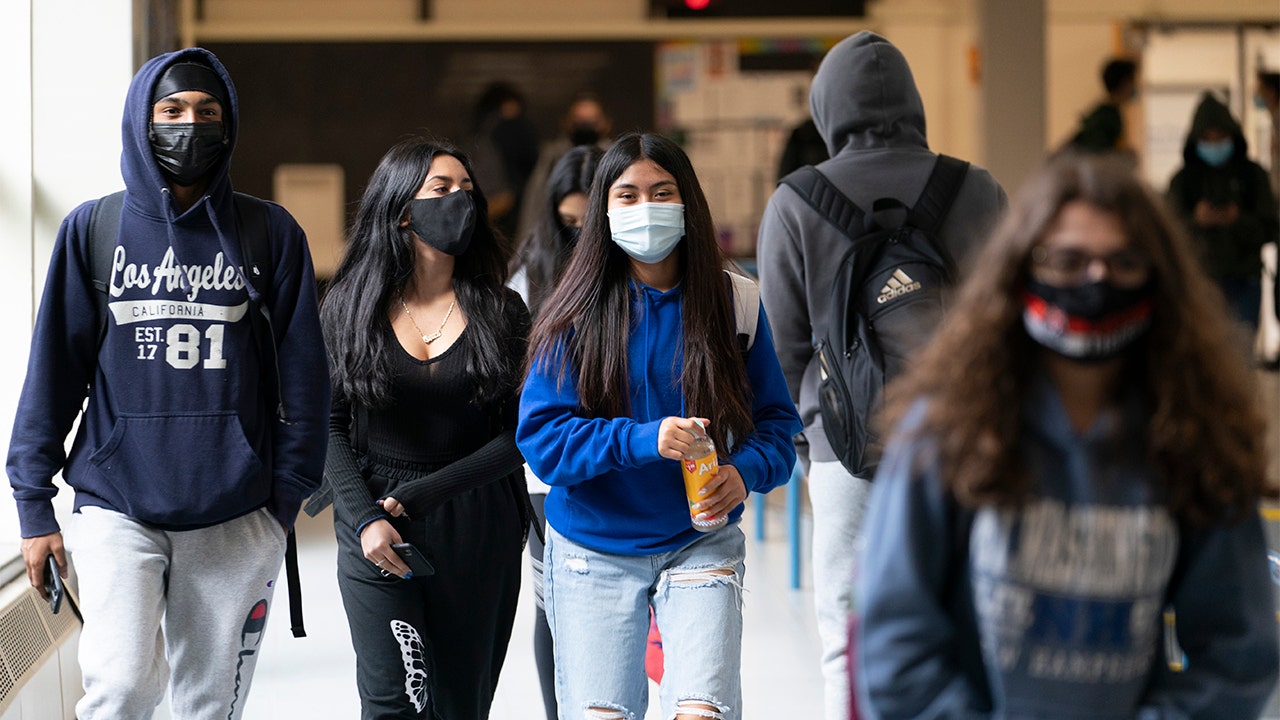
[[255, 245], [253, 226], [295, 585], [827, 200], [939, 193], [104, 232]]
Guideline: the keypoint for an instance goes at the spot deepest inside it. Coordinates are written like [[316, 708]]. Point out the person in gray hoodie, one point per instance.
[[866, 106]]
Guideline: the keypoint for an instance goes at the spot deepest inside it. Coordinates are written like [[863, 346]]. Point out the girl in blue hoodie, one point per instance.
[[1077, 449], [637, 346]]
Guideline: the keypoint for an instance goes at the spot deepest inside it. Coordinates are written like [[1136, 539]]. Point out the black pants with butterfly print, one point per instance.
[[432, 647]]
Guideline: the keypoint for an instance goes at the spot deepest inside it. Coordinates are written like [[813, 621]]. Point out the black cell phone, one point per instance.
[[417, 562], [53, 584]]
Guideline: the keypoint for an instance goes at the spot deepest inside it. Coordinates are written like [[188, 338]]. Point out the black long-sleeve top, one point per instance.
[[432, 421]]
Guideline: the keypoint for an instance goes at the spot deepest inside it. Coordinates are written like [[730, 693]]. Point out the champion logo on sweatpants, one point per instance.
[[254, 624], [250, 636]]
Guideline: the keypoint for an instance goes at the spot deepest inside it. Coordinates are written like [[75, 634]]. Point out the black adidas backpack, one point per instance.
[[885, 302]]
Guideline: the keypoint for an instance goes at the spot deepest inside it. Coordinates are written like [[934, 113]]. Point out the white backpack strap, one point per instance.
[[746, 305]]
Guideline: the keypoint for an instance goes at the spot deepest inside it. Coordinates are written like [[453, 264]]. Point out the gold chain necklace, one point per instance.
[[428, 339]]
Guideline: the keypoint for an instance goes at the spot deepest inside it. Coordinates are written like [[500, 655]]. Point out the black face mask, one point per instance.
[[569, 236], [186, 151], [584, 134], [1089, 323], [445, 223]]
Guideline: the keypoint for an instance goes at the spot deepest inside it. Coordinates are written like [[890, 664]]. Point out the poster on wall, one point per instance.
[[732, 105]]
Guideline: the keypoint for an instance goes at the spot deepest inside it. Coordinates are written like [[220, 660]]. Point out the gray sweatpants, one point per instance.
[[195, 601]]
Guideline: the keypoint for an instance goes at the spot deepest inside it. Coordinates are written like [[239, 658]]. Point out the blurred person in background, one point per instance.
[[506, 150], [536, 267], [1103, 129], [1077, 449], [1225, 201], [585, 122]]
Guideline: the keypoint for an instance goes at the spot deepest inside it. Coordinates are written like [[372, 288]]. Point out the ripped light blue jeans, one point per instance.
[[598, 609]]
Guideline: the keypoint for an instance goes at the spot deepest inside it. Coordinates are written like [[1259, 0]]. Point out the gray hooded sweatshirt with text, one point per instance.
[[865, 104]]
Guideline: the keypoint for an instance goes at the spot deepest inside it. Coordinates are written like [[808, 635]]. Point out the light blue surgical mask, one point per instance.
[[1215, 152], [648, 232]]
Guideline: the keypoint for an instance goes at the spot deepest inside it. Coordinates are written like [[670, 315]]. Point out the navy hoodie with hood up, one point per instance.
[[179, 431]]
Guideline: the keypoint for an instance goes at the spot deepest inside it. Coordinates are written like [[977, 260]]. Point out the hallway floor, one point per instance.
[[313, 677]]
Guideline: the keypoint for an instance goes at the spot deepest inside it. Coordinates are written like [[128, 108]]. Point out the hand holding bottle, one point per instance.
[[676, 436]]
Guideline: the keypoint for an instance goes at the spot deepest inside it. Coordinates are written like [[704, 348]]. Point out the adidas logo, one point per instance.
[[899, 284]]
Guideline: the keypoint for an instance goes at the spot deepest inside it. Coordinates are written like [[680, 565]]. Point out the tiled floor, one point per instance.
[[313, 677]]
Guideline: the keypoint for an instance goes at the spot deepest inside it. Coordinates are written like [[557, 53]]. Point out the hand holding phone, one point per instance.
[[417, 562], [53, 588]]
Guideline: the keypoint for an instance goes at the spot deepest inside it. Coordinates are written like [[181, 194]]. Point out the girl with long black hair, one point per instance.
[[424, 347], [535, 268], [636, 351]]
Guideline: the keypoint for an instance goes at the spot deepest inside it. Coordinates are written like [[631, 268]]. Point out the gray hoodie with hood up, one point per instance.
[[866, 106]]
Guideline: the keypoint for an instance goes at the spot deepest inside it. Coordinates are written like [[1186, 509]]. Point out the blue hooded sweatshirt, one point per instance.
[[179, 431], [610, 489], [1054, 610]]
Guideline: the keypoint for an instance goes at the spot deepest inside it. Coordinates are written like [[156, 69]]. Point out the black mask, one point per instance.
[[584, 134], [1091, 322], [569, 236], [445, 223], [186, 151]]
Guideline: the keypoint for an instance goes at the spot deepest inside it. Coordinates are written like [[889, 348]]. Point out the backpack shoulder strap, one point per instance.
[[746, 306], [939, 193], [827, 200], [104, 232], [254, 227]]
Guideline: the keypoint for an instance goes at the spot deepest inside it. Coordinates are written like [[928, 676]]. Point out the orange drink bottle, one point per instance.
[[699, 465]]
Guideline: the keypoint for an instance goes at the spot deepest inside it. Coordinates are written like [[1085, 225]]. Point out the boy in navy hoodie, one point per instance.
[[186, 478]]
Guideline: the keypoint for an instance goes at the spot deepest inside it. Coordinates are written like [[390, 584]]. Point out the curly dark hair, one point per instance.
[[1205, 432]]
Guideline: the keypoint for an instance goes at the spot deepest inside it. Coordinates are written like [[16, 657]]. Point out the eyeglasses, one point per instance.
[[1070, 266]]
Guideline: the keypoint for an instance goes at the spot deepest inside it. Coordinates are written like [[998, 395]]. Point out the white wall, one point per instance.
[[67, 64], [940, 43], [16, 223]]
